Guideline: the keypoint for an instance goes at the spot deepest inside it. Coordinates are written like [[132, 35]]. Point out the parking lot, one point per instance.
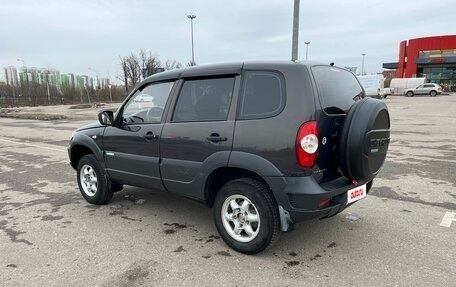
[[402, 234]]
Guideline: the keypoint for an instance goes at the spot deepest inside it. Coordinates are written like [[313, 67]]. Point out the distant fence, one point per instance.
[[39, 96]]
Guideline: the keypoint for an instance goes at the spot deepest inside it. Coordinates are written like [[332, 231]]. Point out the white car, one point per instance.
[[425, 89], [144, 98]]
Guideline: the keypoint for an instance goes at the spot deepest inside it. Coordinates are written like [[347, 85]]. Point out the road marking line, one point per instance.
[[447, 219], [32, 145]]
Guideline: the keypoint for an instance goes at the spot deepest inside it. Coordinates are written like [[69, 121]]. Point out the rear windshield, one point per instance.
[[338, 88]]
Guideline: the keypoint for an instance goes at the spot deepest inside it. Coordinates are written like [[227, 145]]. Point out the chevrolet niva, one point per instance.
[[265, 144]]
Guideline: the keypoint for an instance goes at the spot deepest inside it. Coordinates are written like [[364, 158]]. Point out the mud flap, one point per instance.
[[286, 224]]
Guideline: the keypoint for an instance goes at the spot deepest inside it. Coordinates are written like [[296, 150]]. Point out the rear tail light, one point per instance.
[[307, 144]]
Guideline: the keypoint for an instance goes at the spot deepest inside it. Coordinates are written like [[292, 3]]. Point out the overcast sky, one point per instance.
[[72, 36]]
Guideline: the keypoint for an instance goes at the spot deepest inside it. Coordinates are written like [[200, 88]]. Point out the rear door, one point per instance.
[[428, 88], [131, 146], [338, 89], [199, 134]]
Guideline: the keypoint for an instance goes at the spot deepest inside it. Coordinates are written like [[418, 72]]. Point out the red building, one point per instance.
[[430, 57]]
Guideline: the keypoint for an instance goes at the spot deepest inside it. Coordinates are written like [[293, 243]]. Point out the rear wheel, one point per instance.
[[409, 94], [92, 181], [433, 93], [246, 215]]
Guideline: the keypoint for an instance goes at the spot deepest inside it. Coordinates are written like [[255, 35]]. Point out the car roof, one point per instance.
[[225, 69]]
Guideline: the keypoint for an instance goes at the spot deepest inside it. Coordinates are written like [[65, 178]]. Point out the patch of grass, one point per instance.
[[31, 116], [82, 106]]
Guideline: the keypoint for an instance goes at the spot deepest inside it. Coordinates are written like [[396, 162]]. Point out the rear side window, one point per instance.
[[338, 88], [262, 95], [204, 100]]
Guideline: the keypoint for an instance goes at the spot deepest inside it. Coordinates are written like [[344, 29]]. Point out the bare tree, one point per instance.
[[172, 64], [124, 79], [131, 70], [191, 64], [137, 67], [149, 63], [134, 69]]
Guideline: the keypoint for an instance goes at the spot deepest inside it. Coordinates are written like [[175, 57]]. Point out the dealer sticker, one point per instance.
[[356, 193]]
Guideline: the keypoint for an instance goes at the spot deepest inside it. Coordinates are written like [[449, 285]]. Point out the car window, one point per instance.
[[147, 105], [262, 95], [429, 86], [338, 88], [204, 100], [420, 87]]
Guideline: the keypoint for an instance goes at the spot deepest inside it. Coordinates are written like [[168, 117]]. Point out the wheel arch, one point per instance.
[[223, 175], [244, 165], [80, 147]]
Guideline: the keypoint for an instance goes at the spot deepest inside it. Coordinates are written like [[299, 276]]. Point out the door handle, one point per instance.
[[150, 136], [216, 138]]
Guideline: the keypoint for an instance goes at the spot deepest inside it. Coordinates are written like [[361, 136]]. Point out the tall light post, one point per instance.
[[23, 62], [24, 67], [110, 94], [191, 17], [307, 49], [27, 81], [362, 66], [96, 75], [294, 43]]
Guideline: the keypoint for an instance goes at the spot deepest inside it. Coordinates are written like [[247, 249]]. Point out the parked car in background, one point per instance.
[[401, 85], [431, 89], [144, 98], [373, 85]]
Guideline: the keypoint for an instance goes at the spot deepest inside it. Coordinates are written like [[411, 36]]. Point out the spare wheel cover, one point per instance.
[[365, 139]]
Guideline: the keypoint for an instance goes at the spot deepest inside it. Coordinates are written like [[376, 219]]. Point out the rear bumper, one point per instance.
[[301, 197]]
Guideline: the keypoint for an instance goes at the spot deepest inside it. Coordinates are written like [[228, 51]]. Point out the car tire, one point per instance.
[[246, 215], [433, 93], [92, 181], [364, 140], [409, 94]]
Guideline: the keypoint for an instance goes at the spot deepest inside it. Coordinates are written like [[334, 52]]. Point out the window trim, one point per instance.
[[283, 97]]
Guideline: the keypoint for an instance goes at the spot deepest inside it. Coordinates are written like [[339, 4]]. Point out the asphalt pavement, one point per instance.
[[402, 234]]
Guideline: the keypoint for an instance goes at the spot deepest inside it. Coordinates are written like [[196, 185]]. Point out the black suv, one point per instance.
[[266, 144]]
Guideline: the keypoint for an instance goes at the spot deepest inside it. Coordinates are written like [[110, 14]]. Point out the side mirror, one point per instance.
[[106, 118]]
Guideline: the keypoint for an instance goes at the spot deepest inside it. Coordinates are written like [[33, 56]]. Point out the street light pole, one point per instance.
[[307, 48], [362, 66], [191, 17], [24, 67], [96, 75], [294, 43], [110, 94]]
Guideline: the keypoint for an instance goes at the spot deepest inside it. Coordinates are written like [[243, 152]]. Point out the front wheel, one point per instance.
[[246, 215], [92, 181], [409, 94]]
